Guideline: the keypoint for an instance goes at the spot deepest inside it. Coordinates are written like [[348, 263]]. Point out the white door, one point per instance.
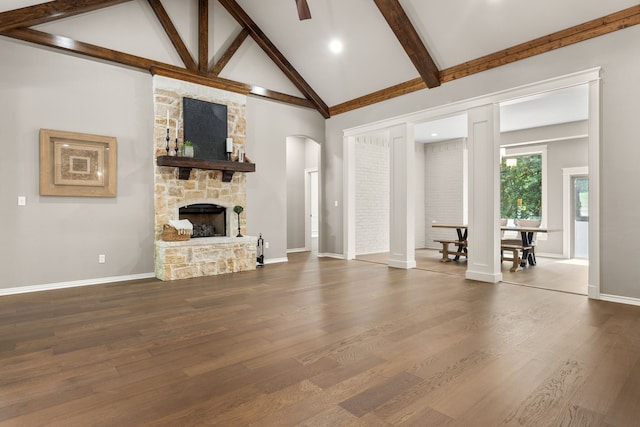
[[311, 210]]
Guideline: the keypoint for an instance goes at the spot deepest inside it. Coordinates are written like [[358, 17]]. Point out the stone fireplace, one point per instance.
[[201, 197]]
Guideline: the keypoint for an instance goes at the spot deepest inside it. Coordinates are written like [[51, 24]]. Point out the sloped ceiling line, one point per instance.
[[408, 37]]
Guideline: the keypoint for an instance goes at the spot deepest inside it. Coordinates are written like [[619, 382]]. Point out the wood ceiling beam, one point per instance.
[[588, 30], [173, 34], [154, 67], [231, 50], [408, 37], [276, 56], [203, 36], [578, 33], [50, 11]]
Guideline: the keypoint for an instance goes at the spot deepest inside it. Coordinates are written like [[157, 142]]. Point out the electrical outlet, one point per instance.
[[102, 258], [266, 245], [22, 201]]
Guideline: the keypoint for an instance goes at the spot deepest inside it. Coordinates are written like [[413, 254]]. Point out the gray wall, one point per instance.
[[619, 56], [58, 239], [268, 126]]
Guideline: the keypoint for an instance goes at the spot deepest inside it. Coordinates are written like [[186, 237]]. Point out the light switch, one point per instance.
[[335, 203], [22, 201]]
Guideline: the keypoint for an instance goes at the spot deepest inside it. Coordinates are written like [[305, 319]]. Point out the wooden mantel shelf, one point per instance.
[[185, 164]]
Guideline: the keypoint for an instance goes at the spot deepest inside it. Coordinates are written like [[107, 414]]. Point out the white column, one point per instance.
[[484, 194], [402, 215]]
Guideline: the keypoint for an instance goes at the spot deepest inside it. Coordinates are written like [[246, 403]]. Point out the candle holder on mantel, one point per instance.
[[168, 139], [238, 209], [177, 150]]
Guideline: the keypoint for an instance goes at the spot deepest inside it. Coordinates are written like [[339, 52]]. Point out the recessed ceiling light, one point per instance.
[[434, 134], [335, 46]]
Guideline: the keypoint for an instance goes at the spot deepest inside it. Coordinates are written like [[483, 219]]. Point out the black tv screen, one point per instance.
[[205, 125]]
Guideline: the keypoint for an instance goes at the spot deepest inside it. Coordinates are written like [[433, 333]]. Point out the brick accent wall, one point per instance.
[[444, 192], [372, 194]]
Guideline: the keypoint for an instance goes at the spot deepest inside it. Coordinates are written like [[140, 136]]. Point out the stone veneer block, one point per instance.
[[205, 257]]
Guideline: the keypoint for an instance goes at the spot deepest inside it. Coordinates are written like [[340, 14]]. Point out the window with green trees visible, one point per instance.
[[521, 187]]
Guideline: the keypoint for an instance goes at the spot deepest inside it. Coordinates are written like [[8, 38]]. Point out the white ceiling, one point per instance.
[[454, 31]]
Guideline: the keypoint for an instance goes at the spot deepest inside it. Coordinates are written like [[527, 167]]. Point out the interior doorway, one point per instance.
[[303, 190]]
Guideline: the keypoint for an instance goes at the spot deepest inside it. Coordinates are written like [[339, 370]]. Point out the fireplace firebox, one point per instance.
[[208, 220]]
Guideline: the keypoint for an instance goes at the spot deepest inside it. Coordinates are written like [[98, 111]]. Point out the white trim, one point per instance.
[[295, 250], [275, 260], [619, 299], [329, 255], [567, 175], [544, 141], [406, 265], [594, 189], [74, 284], [483, 277], [458, 107]]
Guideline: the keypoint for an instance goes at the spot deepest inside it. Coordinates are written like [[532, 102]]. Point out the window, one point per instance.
[[521, 186]]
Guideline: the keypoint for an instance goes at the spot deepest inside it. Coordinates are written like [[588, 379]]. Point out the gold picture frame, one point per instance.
[[77, 164]]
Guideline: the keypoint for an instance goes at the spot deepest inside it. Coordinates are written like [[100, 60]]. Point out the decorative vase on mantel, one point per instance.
[[187, 149]]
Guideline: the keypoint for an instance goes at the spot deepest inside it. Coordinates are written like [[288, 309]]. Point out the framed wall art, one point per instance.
[[77, 164]]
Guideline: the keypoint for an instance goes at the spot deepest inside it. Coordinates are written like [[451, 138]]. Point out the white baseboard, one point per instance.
[[328, 255], [295, 250], [74, 284], [275, 260], [483, 277], [619, 299], [406, 265]]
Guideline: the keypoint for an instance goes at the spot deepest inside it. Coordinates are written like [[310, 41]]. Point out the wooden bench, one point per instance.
[[461, 249], [515, 250]]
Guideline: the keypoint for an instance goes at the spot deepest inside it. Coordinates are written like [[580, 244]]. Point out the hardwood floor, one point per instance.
[[549, 273], [317, 343]]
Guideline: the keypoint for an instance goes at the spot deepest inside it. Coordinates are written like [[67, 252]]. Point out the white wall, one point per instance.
[[618, 54], [58, 239]]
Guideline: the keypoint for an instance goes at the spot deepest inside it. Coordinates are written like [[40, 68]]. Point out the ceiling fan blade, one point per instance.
[[303, 9]]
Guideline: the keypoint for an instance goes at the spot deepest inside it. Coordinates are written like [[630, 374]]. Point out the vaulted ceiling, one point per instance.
[[262, 48]]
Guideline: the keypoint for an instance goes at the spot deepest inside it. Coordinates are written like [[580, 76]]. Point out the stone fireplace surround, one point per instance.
[[205, 256]]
